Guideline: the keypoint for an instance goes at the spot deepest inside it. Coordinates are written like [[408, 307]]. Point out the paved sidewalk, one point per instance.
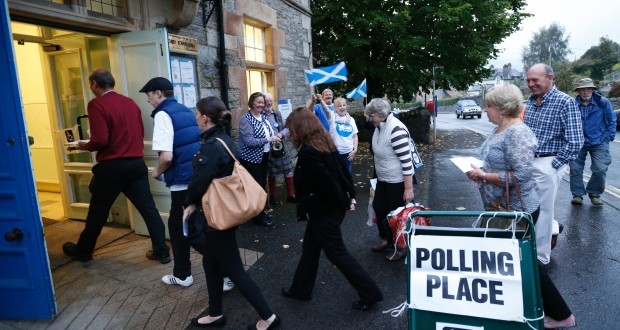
[[121, 289]]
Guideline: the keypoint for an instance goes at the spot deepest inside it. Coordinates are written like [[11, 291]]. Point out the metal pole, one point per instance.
[[434, 110]]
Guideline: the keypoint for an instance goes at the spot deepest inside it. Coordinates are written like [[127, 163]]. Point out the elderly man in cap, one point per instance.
[[599, 128]]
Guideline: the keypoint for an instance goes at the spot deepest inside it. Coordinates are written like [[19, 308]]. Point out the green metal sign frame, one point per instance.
[[532, 300]]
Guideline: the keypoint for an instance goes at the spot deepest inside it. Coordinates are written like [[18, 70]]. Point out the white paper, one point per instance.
[[187, 72], [176, 71], [178, 93], [189, 96], [464, 163]]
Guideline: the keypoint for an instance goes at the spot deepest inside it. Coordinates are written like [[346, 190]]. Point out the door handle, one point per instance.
[[14, 235]]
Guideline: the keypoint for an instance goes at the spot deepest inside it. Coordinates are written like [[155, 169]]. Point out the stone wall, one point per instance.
[[288, 39]]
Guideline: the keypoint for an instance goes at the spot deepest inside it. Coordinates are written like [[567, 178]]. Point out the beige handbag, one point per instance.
[[232, 200]]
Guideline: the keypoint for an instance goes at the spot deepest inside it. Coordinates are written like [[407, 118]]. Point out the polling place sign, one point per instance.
[[472, 276]]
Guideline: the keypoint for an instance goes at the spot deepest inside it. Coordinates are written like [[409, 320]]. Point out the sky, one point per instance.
[[585, 22]]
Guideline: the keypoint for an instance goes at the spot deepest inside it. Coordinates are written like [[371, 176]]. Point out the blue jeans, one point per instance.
[[600, 158]]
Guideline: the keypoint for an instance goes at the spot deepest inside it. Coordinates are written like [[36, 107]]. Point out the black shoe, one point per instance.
[[164, 260], [217, 323], [71, 250], [262, 220], [274, 324], [291, 199], [287, 293], [362, 305]]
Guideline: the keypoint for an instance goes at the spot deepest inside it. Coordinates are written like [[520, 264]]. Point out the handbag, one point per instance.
[[398, 218], [232, 200], [498, 204], [194, 230], [277, 149]]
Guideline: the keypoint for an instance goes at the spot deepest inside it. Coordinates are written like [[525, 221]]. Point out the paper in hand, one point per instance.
[[464, 163]]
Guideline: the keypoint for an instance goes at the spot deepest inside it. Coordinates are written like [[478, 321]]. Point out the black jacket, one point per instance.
[[322, 184], [210, 162]]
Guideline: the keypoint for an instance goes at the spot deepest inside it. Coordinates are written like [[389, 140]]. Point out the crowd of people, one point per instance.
[[530, 148]]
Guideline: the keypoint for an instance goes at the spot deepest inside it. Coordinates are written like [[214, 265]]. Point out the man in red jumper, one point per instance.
[[116, 133]]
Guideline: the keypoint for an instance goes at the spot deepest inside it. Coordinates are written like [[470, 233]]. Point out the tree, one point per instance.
[[395, 44], [548, 45], [598, 61]]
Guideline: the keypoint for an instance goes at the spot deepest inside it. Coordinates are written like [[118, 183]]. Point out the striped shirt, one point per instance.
[[392, 151], [557, 126]]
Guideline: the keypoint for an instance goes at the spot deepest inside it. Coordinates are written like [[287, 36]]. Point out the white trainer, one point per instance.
[[228, 284], [171, 279]]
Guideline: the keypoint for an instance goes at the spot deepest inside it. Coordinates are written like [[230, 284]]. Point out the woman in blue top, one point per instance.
[[511, 147]]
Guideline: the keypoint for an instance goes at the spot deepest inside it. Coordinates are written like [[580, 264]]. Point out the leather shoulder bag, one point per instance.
[[232, 200]]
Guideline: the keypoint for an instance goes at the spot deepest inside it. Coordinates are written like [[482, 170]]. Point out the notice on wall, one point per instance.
[[187, 72], [285, 107], [175, 68], [472, 276], [189, 96]]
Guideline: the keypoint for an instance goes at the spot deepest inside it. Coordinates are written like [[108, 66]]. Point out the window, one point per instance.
[[259, 70], [254, 43], [257, 81], [108, 7]]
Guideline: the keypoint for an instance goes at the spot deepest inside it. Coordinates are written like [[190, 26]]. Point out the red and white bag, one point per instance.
[[398, 218]]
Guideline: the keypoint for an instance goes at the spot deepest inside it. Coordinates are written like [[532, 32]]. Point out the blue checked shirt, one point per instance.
[[557, 126]]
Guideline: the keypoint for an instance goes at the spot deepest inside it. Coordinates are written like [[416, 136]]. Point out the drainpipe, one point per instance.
[[223, 65]]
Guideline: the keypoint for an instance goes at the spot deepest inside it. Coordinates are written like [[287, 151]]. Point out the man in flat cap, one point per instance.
[[599, 128], [117, 135], [176, 139]]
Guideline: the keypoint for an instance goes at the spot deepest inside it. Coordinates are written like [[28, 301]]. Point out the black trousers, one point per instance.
[[180, 244], [259, 173], [110, 178], [220, 257], [388, 197], [323, 233]]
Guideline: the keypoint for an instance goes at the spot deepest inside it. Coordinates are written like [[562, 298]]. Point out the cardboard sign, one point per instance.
[[472, 276]]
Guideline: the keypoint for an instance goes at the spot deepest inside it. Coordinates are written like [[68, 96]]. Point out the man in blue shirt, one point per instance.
[[599, 128], [324, 107], [554, 118]]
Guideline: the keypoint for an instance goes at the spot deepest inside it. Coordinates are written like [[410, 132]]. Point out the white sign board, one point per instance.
[[472, 276], [285, 107]]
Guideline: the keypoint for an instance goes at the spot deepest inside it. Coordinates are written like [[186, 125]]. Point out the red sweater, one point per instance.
[[116, 129]]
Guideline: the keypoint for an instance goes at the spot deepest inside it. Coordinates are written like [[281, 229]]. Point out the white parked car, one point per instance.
[[466, 108]]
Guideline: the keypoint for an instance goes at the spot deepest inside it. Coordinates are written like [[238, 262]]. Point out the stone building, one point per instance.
[[224, 48]]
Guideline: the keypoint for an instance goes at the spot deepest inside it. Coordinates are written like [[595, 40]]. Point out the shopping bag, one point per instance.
[[397, 219]]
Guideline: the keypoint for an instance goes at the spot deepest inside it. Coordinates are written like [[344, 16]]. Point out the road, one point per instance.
[[483, 126]]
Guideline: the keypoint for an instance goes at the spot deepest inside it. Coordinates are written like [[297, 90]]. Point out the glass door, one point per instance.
[[69, 77]]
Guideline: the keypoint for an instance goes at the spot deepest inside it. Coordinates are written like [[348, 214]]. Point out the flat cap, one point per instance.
[[157, 84]]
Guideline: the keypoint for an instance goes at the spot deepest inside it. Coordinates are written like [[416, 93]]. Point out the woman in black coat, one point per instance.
[[324, 191], [221, 253]]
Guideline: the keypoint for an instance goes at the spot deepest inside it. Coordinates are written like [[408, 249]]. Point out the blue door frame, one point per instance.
[[26, 290]]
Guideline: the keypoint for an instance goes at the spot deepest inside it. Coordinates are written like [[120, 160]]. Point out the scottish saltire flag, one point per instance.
[[358, 92], [324, 75]]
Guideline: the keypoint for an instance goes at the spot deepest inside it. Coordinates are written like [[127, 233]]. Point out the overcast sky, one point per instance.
[[585, 21]]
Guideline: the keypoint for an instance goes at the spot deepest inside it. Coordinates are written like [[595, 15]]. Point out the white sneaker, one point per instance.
[[228, 284], [171, 279]]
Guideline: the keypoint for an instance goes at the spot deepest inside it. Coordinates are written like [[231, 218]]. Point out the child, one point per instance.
[[344, 133]]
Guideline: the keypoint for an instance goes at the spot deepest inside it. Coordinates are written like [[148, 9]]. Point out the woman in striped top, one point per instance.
[[394, 169]]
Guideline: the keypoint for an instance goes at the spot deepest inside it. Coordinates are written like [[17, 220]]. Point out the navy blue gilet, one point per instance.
[[186, 141]]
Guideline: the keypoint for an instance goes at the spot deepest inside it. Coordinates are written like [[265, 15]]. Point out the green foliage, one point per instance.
[[395, 44], [548, 45], [565, 77], [598, 61]]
